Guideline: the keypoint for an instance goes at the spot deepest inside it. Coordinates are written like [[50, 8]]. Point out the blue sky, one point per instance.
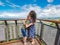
[[22, 7], [8, 4]]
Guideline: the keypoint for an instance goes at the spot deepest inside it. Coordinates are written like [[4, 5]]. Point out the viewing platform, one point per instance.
[[47, 32]]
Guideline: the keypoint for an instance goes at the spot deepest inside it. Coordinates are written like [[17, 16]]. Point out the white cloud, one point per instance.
[[13, 15], [31, 7], [49, 11], [12, 4], [50, 1], [1, 4], [52, 11]]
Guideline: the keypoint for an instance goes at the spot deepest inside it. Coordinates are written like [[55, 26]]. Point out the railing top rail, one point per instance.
[[55, 21]]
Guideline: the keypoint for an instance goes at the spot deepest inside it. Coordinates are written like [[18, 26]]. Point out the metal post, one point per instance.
[[16, 30], [6, 32], [57, 40], [41, 32]]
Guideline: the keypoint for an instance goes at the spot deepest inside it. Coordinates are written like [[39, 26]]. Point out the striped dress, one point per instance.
[[32, 31]]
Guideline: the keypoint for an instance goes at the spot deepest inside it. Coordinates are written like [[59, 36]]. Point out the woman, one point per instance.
[[31, 27]]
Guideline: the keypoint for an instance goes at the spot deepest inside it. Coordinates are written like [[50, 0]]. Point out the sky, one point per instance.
[[21, 8]]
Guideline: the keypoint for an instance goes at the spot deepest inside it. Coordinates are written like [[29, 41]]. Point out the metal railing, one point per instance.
[[12, 30], [50, 34]]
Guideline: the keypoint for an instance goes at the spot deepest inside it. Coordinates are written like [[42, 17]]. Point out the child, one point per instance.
[[27, 22], [31, 26], [24, 29]]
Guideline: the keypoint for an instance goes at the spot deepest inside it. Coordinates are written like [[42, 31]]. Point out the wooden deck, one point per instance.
[[18, 42]]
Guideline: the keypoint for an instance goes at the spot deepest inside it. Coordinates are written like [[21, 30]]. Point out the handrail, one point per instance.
[[42, 25], [55, 21]]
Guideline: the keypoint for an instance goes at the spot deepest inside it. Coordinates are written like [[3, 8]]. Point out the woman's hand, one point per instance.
[[27, 25]]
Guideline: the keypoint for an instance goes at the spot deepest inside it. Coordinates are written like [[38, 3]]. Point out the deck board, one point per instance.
[[20, 43]]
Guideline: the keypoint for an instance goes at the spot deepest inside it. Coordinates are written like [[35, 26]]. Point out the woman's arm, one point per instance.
[[27, 25]]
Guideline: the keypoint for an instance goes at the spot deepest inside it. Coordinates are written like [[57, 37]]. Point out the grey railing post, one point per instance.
[[41, 31], [6, 31], [16, 29], [57, 40]]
